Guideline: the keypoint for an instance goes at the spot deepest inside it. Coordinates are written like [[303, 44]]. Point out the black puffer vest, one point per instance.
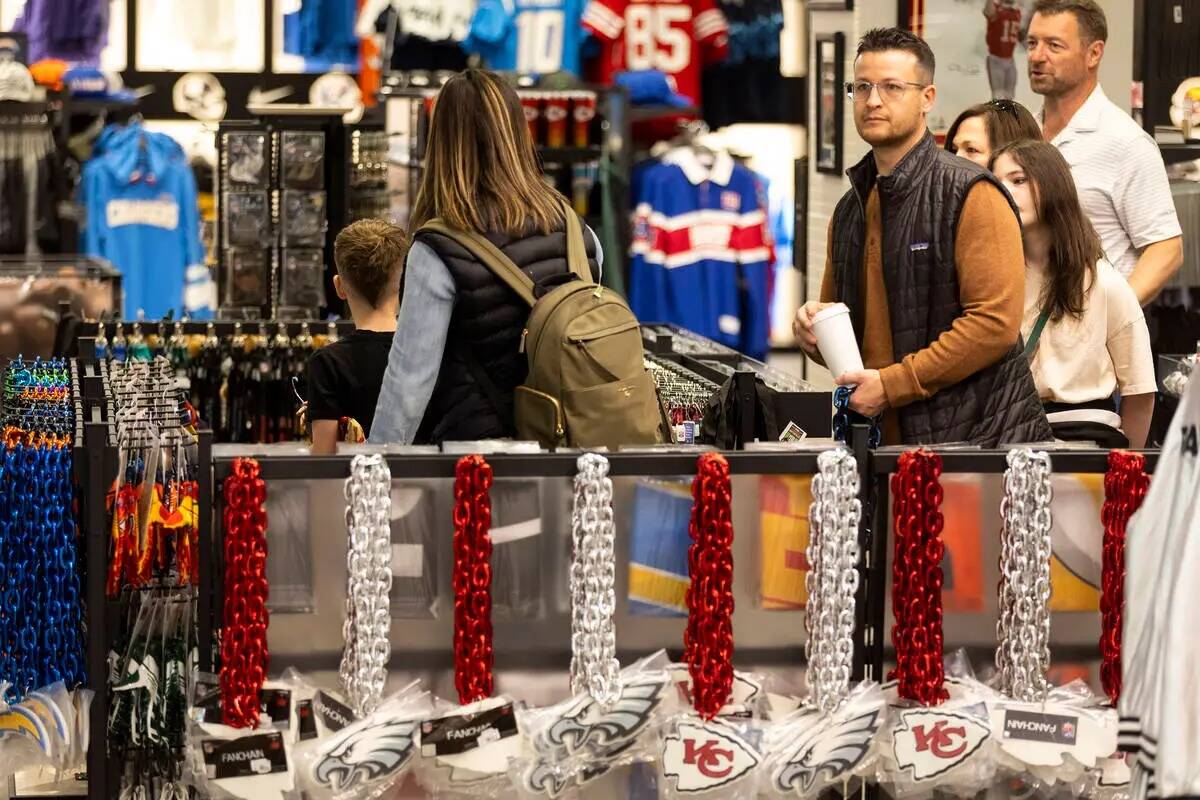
[[920, 204], [485, 336]]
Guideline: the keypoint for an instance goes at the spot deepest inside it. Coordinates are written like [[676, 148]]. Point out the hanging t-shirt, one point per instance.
[[539, 36], [677, 37], [700, 253], [70, 30], [322, 32]]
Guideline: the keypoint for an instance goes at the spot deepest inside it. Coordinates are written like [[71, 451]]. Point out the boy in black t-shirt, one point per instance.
[[344, 377]]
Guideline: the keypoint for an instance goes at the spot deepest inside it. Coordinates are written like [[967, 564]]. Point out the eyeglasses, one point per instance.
[[888, 90]]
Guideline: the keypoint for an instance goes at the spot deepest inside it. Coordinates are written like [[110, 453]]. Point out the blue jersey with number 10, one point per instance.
[[538, 36]]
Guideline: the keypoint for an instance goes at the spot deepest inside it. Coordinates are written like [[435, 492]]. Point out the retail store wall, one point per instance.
[[824, 190]]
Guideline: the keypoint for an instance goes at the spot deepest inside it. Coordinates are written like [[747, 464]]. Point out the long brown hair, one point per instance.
[[1004, 120], [1074, 244], [481, 171]]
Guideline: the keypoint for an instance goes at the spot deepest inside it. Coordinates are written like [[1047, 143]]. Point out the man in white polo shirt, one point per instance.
[[1117, 166]]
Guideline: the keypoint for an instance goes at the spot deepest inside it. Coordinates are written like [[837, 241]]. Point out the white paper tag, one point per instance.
[[702, 756], [1041, 734], [408, 560], [929, 743]]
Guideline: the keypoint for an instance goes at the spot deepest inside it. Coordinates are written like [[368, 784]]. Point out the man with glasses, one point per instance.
[[1117, 167], [925, 250]]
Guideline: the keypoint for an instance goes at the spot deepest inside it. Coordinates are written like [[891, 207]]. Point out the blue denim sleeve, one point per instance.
[[416, 355]]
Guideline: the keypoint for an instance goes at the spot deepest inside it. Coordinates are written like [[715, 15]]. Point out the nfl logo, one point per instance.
[[1068, 729], [730, 201]]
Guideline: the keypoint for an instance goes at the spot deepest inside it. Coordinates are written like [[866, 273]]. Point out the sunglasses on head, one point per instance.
[[1007, 106]]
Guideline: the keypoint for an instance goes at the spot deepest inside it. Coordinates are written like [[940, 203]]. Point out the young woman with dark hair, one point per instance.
[[1085, 334], [983, 129], [455, 361]]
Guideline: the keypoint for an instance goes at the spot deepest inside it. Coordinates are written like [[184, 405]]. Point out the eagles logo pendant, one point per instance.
[[364, 755], [587, 725], [827, 752]]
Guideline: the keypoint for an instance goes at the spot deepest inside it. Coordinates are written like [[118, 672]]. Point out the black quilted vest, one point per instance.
[[920, 204], [485, 335]]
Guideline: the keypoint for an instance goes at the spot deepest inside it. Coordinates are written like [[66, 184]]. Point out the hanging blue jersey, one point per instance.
[[700, 251], [538, 36], [142, 215]]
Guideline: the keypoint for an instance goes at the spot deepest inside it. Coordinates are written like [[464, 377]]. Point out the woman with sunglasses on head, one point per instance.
[[456, 358], [1084, 332], [983, 129]]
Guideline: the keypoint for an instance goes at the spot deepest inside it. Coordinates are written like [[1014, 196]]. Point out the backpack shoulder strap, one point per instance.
[[490, 256], [576, 251]]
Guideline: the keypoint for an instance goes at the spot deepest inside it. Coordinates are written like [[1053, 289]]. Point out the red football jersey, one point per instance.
[[675, 36], [1004, 30]]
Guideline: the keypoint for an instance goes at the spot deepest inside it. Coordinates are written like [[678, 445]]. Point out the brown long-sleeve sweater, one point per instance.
[[990, 263]]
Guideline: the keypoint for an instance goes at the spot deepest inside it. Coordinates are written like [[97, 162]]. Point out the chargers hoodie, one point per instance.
[[140, 200]]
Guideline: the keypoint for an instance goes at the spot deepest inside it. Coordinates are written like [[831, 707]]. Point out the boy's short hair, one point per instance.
[[369, 254]]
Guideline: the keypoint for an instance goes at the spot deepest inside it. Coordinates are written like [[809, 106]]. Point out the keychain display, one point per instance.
[[303, 218], [248, 282], [247, 220], [153, 502], [153, 662], [247, 158], [242, 385], [302, 284], [302, 159], [368, 567]]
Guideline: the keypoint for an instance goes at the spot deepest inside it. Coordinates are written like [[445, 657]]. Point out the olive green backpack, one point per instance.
[[588, 385]]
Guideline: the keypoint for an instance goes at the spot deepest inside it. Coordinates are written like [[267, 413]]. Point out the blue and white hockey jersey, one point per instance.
[[700, 250], [142, 215], [538, 36]]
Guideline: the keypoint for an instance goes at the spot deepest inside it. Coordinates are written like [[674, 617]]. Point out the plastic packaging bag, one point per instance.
[[576, 741], [1057, 742], [370, 756], [948, 747], [809, 752], [717, 758], [465, 750], [225, 762]]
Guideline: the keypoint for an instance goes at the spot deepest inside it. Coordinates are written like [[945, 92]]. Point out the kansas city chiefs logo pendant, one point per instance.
[[702, 756], [929, 743]]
